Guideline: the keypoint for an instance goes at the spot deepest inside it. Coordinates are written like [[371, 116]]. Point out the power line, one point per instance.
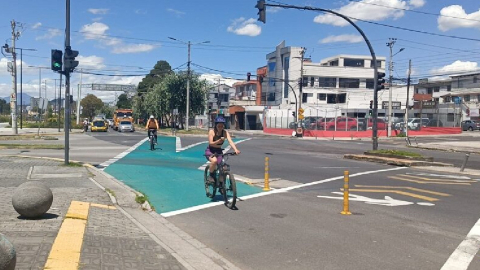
[[415, 11]]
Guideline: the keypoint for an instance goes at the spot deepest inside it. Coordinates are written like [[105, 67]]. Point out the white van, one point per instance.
[[414, 123]]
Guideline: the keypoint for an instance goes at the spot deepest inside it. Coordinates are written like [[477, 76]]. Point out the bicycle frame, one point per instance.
[[221, 173]]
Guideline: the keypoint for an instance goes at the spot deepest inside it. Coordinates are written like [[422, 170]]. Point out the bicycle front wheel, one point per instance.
[[152, 143], [210, 188], [230, 190]]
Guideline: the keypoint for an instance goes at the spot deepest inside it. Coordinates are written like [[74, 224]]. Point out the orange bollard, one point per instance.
[[346, 210], [266, 186]]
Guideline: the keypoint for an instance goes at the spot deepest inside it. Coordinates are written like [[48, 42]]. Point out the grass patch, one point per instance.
[[73, 164], [395, 153], [111, 192], [402, 135], [191, 131], [142, 198], [18, 137], [31, 146]]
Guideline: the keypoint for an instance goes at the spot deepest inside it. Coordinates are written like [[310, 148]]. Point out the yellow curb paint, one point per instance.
[[65, 252], [103, 206], [409, 188], [426, 198], [428, 182], [439, 180]]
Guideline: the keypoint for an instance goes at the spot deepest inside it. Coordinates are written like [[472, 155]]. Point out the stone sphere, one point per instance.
[[32, 199], [8, 256]]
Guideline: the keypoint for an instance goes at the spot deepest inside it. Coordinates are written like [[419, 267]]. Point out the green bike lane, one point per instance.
[[171, 180]]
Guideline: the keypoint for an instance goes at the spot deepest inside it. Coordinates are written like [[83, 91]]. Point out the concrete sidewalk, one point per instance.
[[451, 146], [118, 234]]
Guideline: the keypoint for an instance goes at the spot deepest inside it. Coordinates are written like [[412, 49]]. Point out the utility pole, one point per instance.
[[408, 96], [59, 101], [390, 79], [67, 86], [13, 98], [188, 89]]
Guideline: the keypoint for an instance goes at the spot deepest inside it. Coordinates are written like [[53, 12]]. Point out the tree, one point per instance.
[[124, 102], [4, 107], [107, 110], [91, 104]]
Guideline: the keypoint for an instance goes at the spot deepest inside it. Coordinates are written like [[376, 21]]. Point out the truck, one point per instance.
[[122, 115]]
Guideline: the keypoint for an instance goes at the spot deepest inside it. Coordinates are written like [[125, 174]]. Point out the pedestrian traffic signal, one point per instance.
[[57, 60], [380, 80], [69, 57], [371, 104], [261, 10], [300, 114], [293, 114], [248, 76]]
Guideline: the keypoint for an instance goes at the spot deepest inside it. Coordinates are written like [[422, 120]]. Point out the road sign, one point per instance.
[[396, 105]]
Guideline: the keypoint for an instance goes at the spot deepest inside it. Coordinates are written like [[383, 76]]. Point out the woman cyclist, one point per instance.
[[152, 126], [216, 138]]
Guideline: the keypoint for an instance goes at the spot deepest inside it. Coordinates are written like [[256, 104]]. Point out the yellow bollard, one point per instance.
[[267, 176], [345, 195]]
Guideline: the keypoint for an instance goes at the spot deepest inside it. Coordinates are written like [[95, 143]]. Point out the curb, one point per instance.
[[446, 149], [396, 161]]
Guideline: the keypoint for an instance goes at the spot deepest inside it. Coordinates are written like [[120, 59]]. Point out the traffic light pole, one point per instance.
[[67, 86], [261, 6]]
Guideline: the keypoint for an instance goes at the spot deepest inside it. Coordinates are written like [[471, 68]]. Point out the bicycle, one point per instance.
[[151, 138], [224, 182]]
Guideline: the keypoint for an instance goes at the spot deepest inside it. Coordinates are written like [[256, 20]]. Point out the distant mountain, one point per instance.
[[25, 99]]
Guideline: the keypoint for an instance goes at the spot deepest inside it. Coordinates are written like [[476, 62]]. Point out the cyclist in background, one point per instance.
[[216, 138], [152, 126]]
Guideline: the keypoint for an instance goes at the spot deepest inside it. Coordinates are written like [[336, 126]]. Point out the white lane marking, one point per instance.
[[388, 201], [178, 144], [121, 155], [189, 146], [442, 176], [281, 190], [463, 255], [425, 203]]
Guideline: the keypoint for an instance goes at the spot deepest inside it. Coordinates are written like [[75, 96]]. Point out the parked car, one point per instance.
[[433, 123], [414, 123], [126, 126], [470, 125], [306, 123], [341, 124]]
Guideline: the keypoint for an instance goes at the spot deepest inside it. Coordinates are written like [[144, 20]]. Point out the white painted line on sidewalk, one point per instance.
[[178, 144], [465, 252], [189, 146], [280, 190]]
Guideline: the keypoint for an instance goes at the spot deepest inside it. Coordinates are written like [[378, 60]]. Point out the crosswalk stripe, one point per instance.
[[436, 179], [422, 197]]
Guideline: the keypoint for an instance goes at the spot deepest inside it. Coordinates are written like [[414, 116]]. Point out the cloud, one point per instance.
[[417, 3], [91, 61], [274, 9], [133, 48], [176, 12], [37, 25], [244, 27], [448, 23], [342, 38], [94, 30], [140, 11], [98, 31], [97, 11], [372, 10], [51, 33], [457, 66]]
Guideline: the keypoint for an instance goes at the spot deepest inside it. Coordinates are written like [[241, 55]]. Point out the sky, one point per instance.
[[119, 38]]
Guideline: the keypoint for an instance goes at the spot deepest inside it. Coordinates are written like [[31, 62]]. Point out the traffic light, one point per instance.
[[71, 99], [69, 57], [57, 60], [300, 114], [380, 80], [261, 10], [370, 112], [293, 114], [248, 76]]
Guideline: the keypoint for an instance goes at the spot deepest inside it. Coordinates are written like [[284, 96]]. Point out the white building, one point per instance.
[[338, 85]]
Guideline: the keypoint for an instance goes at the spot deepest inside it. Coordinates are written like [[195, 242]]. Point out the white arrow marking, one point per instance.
[[388, 201]]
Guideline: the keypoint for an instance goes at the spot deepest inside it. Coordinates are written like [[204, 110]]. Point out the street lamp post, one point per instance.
[[21, 83], [390, 68], [187, 113]]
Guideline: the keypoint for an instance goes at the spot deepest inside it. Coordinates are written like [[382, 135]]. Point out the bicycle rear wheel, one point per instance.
[[152, 143], [230, 190], [210, 188]]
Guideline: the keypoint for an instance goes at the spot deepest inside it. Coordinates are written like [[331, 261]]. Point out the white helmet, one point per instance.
[[151, 117]]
